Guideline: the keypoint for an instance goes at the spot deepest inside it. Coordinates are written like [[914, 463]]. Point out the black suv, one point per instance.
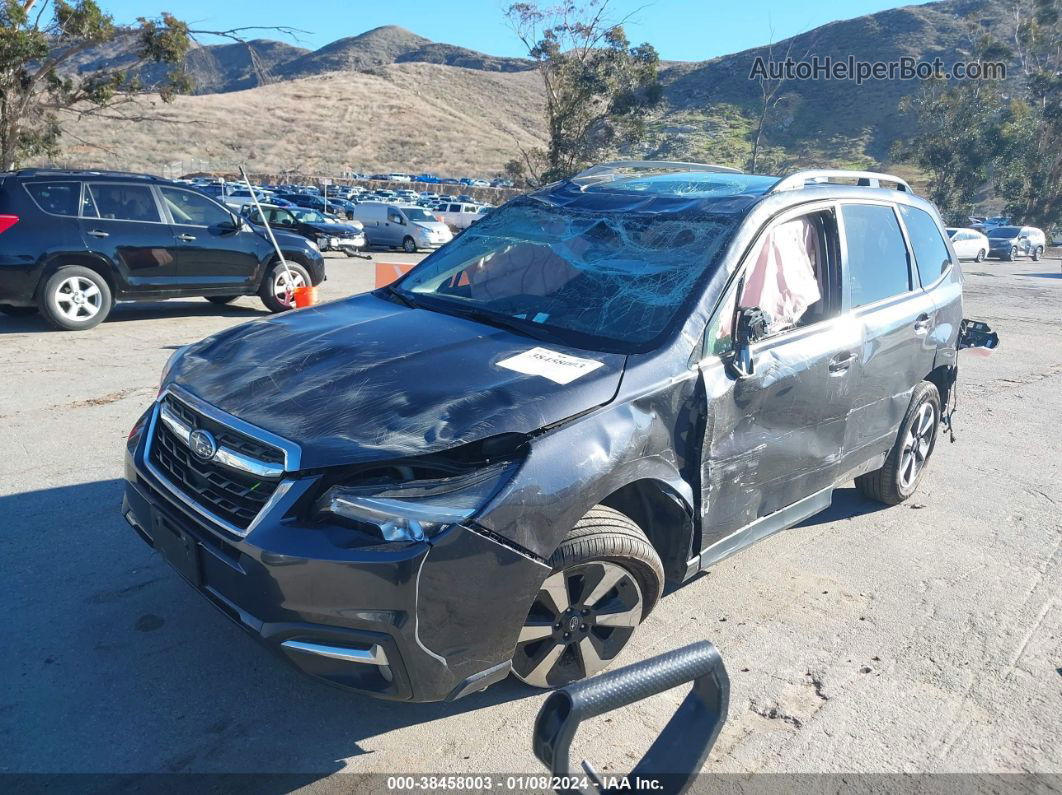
[[74, 242], [498, 462]]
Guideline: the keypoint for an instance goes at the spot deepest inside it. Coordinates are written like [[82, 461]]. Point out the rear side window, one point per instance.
[[877, 254], [124, 202], [930, 250], [57, 198]]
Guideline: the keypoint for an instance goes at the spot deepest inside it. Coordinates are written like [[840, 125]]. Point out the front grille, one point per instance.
[[234, 496]]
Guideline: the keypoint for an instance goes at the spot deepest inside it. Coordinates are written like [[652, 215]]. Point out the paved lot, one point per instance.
[[926, 637]]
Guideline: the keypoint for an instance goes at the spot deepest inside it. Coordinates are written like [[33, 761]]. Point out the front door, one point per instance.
[[215, 255], [122, 223], [776, 435]]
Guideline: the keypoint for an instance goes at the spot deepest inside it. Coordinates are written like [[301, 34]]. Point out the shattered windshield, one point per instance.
[[614, 280]]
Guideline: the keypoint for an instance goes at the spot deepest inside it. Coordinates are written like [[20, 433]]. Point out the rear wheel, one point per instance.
[[278, 287], [17, 311], [981, 254], [1038, 253], [75, 299], [409, 245], [221, 300], [606, 579], [905, 464]]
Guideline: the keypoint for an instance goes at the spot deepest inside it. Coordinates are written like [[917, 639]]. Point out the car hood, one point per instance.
[[365, 379], [432, 226]]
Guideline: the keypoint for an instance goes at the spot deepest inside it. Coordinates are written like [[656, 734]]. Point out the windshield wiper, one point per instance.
[[393, 291], [526, 327]]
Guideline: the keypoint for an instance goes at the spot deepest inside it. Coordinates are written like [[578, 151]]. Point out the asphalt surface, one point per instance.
[[925, 637]]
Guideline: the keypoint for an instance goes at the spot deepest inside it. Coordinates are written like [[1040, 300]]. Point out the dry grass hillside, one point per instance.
[[410, 117]]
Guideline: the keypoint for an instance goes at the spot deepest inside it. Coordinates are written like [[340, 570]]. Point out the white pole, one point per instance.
[[269, 231]]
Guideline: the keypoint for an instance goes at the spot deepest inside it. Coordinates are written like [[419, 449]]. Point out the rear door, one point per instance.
[[896, 320], [213, 253], [122, 222], [776, 436]]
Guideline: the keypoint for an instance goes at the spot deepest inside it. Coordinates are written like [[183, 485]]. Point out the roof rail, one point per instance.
[[95, 172], [867, 179], [653, 165]]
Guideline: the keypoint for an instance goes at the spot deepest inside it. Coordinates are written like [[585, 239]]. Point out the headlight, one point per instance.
[[415, 510]]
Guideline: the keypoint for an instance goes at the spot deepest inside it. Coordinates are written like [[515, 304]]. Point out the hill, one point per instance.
[[416, 116], [297, 113]]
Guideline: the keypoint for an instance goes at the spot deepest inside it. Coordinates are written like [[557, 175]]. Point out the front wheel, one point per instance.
[[981, 254], [278, 287], [409, 245], [906, 462], [75, 299], [1038, 253], [606, 579], [1013, 255]]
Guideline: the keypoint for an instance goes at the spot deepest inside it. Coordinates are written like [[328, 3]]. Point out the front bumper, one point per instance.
[[428, 621]]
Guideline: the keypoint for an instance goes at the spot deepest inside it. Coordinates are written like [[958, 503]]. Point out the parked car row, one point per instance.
[[1004, 242]]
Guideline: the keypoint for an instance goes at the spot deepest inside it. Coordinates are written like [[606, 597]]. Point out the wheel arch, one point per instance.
[[79, 259], [664, 517]]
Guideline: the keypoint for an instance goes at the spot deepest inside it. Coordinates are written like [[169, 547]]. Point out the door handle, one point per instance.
[[841, 362], [99, 233], [921, 323], [186, 237]]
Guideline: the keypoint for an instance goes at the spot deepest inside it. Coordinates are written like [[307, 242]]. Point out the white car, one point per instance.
[[458, 215], [968, 243]]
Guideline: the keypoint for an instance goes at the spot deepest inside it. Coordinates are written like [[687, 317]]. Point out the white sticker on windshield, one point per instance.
[[557, 367]]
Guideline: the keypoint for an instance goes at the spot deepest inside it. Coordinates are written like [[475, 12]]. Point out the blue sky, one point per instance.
[[686, 30]]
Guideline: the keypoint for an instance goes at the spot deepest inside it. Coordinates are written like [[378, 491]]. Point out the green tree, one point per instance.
[[599, 89], [39, 46], [1029, 175], [957, 141]]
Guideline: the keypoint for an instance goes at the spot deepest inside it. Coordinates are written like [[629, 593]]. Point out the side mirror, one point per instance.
[[752, 324]]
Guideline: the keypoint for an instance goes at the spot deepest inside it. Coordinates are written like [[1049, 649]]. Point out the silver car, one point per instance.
[[969, 243], [1011, 242]]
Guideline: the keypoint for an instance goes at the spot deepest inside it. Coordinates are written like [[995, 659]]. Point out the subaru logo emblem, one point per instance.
[[203, 444]]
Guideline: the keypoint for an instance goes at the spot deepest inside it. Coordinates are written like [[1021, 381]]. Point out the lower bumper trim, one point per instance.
[[374, 655]]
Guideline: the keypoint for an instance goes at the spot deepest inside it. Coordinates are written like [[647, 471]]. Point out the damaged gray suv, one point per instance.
[[500, 461]]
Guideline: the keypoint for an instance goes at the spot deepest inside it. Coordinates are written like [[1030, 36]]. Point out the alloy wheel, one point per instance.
[[917, 444], [284, 286], [78, 299], [580, 621]]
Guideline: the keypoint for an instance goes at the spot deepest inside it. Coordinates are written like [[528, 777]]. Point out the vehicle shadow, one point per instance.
[[122, 665], [1056, 275], [847, 503], [151, 310]]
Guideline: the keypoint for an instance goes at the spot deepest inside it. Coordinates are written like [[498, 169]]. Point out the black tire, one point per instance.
[[56, 299], [17, 311], [221, 300], [889, 484], [1012, 254], [1038, 252], [981, 254], [409, 245], [603, 544], [275, 271]]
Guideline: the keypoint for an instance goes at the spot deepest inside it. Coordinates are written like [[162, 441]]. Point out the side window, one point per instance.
[[187, 207], [930, 250], [394, 217], [877, 254], [790, 274], [124, 202], [57, 198]]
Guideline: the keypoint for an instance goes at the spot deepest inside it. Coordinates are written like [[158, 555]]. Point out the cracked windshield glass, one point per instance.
[[610, 280]]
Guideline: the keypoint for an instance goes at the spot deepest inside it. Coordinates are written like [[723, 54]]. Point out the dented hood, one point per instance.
[[366, 379]]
